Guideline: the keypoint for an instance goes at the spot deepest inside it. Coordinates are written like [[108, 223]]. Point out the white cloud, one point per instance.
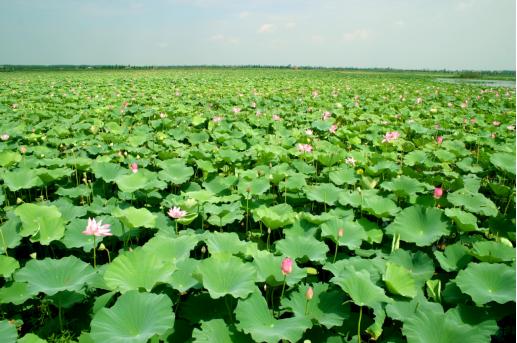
[[220, 38], [356, 35], [400, 23], [266, 28], [162, 45], [290, 25], [244, 14], [317, 39]]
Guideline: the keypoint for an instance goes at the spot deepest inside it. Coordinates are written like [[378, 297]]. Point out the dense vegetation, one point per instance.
[[255, 205]]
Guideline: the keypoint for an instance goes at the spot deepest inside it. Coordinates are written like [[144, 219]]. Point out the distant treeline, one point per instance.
[[457, 73]]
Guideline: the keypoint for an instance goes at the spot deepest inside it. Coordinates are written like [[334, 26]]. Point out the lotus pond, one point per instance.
[[241, 205]]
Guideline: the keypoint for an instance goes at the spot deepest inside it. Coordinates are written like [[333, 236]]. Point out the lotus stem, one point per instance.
[[359, 324], [283, 287], [94, 253], [4, 242], [335, 252]]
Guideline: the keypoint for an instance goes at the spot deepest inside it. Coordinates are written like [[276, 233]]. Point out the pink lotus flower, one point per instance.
[[418, 101], [258, 113], [341, 232], [163, 115], [510, 127], [276, 117], [326, 115], [464, 104], [305, 147], [333, 128], [350, 160], [473, 120], [217, 119], [315, 93], [236, 109], [14, 106], [449, 104], [439, 139], [438, 192], [391, 136], [23, 149], [308, 132], [178, 93], [97, 229], [134, 167], [496, 123], [309, 294], [493, 136], [4, 137], [176, 213], [287, 266], [253, 104]]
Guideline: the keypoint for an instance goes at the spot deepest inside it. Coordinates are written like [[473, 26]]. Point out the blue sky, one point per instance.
[[409, 34]]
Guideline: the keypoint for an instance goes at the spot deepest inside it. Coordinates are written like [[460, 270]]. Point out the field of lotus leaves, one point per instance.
[[241, 205]]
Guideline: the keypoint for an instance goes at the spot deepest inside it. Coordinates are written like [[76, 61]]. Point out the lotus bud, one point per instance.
[[309, 294], [340, 232], [102, 247], [203, 249], [438, 192], [287, 266]]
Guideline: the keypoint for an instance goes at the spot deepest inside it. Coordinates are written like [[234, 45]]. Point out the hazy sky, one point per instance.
[[436, 34]]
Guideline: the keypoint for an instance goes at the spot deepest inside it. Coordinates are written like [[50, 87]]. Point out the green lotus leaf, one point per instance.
[[175, 171], [415, 157], [52, 276], [132, 182], [107, 171], [16, 293], [379, 206], [418, 263], [9, 158], [467, 166], [374, 266], [217, 331], [353, 233], [31, 338], [269, 270], [330, 158], [224, 214], [464, 221], [344, 175], [43, 223], [276, 216], [406, 186], [325, 193], [219, 184], [359, 286], [75, 192], [224, 243], [183, 277], [21, 179], [473, 202], [8, 265], [8, 333], [137, 269], [399, 280], [304, 248], [136, 217], [504, 161], [293, 182], [256, 319], [172, 249], [444, 155], [420, 225], [135, 318], [49, 175], [254, 187], [224, 274], [432, 325], [325, 307], [454, 257], [490, 251], [68, 210], [486, 282]]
